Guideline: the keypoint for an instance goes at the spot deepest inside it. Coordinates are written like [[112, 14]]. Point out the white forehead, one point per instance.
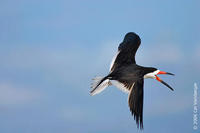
[[156, 72], [152, 74]]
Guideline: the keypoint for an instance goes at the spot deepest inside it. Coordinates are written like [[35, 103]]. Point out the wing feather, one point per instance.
[[125, 87], [127, 49], [135, 101]]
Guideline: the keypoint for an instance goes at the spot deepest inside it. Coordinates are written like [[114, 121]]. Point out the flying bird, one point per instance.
[[129, 77]]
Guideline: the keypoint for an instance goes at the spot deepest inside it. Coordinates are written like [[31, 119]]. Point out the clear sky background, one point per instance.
[[50, 51]]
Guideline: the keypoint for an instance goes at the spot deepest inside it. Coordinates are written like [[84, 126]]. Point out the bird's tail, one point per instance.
[[99, 84]]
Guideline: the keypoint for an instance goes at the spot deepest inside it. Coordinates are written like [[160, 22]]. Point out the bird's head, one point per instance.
[[153, 73]]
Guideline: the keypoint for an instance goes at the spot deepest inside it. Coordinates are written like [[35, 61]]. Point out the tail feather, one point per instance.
[[99, 85]]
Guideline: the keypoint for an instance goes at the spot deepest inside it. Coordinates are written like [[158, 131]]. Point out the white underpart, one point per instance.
[[152, 74], [101, 87], [119, 86], [113, 60]]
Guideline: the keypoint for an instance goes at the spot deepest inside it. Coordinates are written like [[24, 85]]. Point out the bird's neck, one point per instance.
[[146, 70]]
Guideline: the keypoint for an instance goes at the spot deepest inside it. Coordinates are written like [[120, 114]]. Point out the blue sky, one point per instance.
[[50, 51]]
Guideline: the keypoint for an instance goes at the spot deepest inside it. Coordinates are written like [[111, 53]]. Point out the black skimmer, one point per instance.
[[129, 77]]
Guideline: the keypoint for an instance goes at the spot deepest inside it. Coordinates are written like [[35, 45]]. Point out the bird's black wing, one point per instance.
[[135, 101], [126, 51]]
